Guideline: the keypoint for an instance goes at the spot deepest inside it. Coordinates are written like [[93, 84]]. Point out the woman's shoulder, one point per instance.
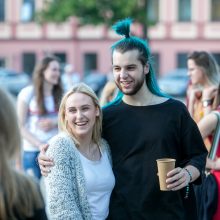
[[27, 90], [26, 93], [104, 144], [106, 148], [61, 144]]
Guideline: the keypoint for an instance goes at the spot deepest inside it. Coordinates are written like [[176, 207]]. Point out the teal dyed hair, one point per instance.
[[115, 101], [134, 43]]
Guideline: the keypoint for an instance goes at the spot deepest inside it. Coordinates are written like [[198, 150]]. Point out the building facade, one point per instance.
[[181, 26]]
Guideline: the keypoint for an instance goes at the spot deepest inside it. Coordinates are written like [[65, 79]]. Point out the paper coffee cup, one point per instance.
[[164, 166]]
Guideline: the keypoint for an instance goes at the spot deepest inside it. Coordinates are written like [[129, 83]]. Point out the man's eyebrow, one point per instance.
[[131, 65], [125, 65]]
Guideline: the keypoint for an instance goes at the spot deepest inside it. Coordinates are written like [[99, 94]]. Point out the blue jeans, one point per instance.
[[30, 164]]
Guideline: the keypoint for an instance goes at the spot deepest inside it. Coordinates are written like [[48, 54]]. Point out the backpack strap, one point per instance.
[[216, 136]]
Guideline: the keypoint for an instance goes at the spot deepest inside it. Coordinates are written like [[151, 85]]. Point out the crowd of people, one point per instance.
[[99, 156]]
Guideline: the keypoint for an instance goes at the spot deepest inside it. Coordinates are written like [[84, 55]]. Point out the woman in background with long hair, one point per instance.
[[204, 74], [38, 110], [20, 197], [207, 126]]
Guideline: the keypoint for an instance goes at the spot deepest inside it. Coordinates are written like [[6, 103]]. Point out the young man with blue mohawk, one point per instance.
[[142, 125]]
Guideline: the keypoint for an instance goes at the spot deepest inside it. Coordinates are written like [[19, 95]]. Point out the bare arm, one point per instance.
[[22, 109], [208, 94], [193, 94], [207, 124]]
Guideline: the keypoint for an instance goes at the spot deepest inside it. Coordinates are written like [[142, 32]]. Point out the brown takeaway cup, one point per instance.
[[164, 165]]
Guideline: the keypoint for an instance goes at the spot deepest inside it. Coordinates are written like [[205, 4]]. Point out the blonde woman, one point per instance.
[[207, 126], [20, 197], [204, 74], [80, 184]]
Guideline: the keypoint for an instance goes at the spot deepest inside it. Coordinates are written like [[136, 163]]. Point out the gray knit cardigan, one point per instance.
[[65, 185]]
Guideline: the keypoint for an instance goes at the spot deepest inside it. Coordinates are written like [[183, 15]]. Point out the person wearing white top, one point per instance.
[[81, 181], [37, 107]]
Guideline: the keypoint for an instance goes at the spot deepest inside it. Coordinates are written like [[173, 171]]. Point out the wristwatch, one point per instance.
[[206, 103]]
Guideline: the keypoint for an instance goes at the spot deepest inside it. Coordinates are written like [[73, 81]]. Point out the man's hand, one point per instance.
[[45, 163], [177, 179]]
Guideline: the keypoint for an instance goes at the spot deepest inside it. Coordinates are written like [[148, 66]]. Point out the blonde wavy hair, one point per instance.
[[63, 126], [15, 200]]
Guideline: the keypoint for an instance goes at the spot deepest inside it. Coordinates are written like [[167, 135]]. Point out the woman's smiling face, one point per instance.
[[80, 114]]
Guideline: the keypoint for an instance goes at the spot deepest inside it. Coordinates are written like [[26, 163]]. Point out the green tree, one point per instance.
[[97, 11]]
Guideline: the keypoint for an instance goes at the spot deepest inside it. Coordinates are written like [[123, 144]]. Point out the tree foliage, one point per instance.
[[95, 11]]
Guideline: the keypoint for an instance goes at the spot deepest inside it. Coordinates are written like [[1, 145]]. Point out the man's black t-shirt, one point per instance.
[[138, 135]]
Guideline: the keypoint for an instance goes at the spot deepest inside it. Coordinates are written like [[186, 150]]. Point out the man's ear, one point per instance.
[[146, 68]]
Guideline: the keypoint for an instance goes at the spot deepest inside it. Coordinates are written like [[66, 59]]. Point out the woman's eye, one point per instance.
[[72, 110], [85, 108]]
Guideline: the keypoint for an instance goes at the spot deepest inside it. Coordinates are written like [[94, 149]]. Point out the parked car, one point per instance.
[[13, 81], [174, 83], [96, 81]]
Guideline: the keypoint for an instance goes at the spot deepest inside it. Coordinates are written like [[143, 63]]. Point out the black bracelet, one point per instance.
[[187, 192], [190, 175]]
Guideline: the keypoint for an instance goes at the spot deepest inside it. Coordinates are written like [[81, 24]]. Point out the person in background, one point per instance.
[[207, 126], [108, 93], [20, 197], [204, 74], [69, 77], [80, 184], [37, 107], [141, 125]]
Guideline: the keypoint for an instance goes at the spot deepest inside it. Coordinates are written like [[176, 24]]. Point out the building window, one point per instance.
[[182, 60], [28, 62], [184, 10], [156, 63], [215, 10], [153, 11], [28, 10], [2, 10], [2, 62], [61, 57], [90, 63]]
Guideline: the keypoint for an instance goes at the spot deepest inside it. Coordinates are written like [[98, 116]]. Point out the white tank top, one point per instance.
[[100, 182]]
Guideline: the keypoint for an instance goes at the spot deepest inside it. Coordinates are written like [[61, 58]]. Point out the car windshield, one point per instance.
[[8, 73], [185, 77]]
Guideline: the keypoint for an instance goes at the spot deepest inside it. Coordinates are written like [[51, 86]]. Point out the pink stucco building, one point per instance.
[[181, 27]]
